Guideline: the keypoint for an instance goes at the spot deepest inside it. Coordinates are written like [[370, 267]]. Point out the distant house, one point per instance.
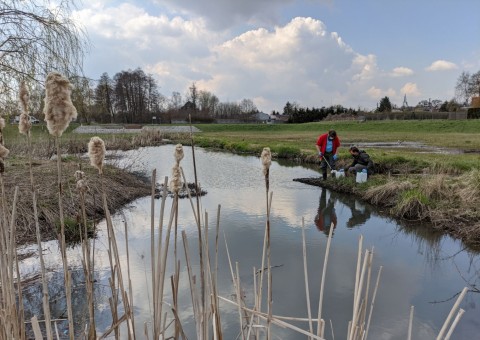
[[262, 117], [279, 119]]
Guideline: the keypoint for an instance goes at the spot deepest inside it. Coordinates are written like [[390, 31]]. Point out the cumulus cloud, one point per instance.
[[300, 61], [401, 72], [441, 65], [410, 89], [376, 93]]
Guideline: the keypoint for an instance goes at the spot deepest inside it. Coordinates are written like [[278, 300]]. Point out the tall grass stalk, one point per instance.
[[305, 272], [321, 322], [199, 228]]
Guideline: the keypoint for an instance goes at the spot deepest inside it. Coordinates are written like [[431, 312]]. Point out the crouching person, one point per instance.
[[361, 161]]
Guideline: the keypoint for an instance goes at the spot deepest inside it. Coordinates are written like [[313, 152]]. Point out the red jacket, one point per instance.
[[322, 143]]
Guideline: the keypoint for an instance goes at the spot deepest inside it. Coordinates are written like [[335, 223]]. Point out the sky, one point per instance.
[[312, 52]]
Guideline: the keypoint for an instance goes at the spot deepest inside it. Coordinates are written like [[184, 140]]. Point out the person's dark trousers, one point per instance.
[[327, 157]]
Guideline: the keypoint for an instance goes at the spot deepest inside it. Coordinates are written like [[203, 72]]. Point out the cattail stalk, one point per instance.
[[266, 158]]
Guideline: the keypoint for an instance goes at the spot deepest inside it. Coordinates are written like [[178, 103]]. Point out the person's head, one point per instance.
[[332, 134], [354, 151]]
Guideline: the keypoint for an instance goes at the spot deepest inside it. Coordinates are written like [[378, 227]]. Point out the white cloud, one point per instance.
[[300, 61], [376, 93], [441, 65], [401, 72], [410, 89]]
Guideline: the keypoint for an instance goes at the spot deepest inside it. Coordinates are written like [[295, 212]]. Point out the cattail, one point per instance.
[[176, 180], [24, 125], [2, 124], [3, 152], [178, 153], [59, 110], [24, 97], [96, 152], [79, 175], [82, 185], [266, 160]]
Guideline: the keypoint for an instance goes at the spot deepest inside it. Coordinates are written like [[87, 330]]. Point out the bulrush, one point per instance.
[[178, 153], [96, 152], [24, 97], [24, 125], [266, 160], [3, 152], [59, 110], [176, 180], [82, 185]]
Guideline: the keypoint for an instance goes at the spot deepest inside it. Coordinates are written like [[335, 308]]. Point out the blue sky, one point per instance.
[[313, 52]]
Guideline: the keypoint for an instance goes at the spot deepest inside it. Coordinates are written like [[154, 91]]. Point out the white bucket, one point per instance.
[[338, 174], [361, 177]]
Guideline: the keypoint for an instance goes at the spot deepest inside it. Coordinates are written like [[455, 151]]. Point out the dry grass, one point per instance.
[[120, 185], [387, 193]]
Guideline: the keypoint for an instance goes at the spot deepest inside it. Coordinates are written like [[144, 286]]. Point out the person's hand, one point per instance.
[[335, 157], [320, 154]]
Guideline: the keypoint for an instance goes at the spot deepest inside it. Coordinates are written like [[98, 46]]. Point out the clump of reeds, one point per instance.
[[436, 186], [469, 191], [413, 205], [59, 110], [96, 152], [386, 194]]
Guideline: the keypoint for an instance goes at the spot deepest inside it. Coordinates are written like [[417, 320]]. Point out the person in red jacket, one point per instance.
[[327, 145]]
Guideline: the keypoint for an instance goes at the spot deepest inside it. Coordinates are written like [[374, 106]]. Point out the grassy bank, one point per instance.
[[442, 189]]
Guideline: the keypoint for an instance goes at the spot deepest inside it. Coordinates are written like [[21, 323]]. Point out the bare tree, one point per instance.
[[36, 38], [462, 88]]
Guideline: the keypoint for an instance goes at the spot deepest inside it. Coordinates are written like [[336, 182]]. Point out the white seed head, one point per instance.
[[178, 153], [24, 97], [96, 152], [24, 124], [82, 185], [266, 158], [59, 110], [176, 180], [3, 152], [79, 175]]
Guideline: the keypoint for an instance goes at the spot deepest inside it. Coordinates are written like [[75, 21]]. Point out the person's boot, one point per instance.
[[324, 175]]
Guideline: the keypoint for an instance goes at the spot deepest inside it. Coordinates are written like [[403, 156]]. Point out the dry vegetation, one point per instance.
[[121, 188]]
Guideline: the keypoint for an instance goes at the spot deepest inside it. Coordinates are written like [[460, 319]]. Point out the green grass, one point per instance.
[[300, 139]]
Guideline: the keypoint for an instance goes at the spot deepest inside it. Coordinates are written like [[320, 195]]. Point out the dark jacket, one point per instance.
[[363, 159]]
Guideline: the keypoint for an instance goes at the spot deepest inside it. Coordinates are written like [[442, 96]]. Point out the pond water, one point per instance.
[[420, 268]]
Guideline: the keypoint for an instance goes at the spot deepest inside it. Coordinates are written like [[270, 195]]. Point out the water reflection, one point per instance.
[[326, 215], [419, 267]]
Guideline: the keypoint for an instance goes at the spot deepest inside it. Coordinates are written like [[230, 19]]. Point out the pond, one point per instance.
[[420, 268]]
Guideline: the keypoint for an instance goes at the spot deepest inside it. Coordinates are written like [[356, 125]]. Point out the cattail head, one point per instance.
[[176, 180], [2, 124], [59, 110], [24, 97], [3, 152], [82, 186], [79, 175], [24, 124], [178, 153], [266, 158], [96, 152]]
